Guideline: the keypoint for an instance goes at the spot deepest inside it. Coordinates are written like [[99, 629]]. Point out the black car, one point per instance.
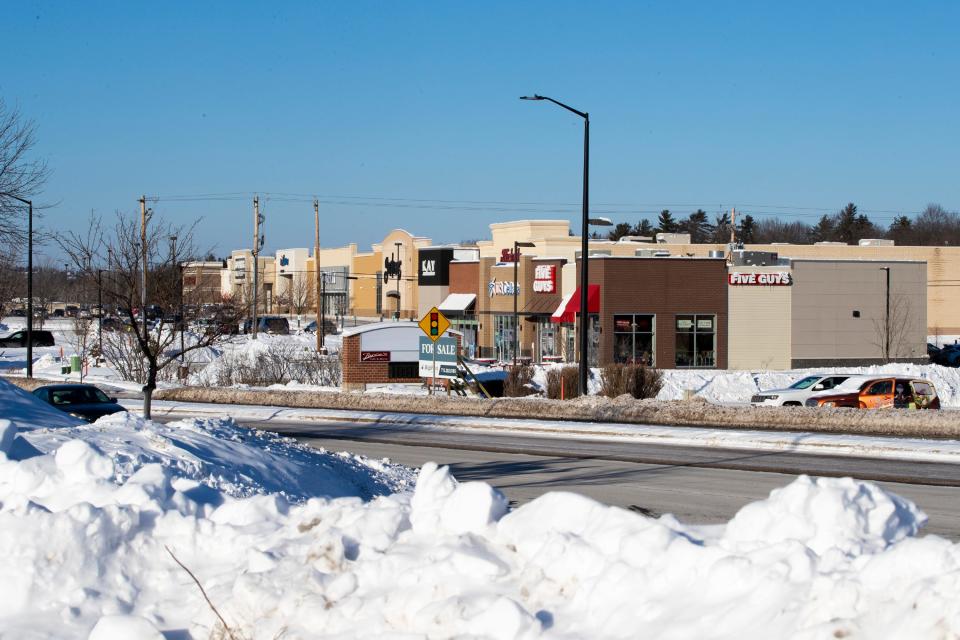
[[82, 401], [329, 327], [19, 339]]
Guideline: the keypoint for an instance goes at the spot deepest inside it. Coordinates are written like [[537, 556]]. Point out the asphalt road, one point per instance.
[[698, 485]]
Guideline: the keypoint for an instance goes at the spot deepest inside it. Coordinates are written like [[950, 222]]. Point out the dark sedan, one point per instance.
[[82, 401]]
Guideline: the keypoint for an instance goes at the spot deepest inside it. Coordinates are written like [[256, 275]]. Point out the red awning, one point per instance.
[[570, 305]]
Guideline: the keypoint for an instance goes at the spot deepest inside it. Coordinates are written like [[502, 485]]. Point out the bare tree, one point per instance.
[[80, 339], [11, 280], [20, 175], [157, 346], [892, 337], [299, 295], [49, 285]]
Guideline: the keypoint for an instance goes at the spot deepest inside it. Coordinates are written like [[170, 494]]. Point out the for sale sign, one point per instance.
[[446, 352]]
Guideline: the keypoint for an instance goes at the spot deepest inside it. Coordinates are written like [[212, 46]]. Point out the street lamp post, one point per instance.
[[29, 204], [516, 288], [584, 231]]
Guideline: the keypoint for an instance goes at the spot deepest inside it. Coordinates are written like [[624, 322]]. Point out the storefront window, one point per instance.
[[468, 327], [503, 342], [696, 341], [548, 338], [633, 338]]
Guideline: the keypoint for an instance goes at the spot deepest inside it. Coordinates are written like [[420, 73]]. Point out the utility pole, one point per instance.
[[143, 273], [733, 227], [316, 268], [256, 261]]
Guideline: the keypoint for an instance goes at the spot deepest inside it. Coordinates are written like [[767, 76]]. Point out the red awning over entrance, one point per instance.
[[570, 305]]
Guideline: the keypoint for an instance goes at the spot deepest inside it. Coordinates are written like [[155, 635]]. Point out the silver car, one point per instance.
[[797, 393]]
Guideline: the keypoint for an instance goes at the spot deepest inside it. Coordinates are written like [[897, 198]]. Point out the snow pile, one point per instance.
[[237, 358], [819, 558], [738, 386], [95, 521]]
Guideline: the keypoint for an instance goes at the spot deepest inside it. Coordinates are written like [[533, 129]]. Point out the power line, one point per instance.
[[520, 206]]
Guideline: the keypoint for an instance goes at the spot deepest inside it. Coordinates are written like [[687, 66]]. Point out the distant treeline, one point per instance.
[[934, 226]]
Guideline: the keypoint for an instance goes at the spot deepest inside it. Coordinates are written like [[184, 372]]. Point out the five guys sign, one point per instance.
[[545, 278], [778, 278]]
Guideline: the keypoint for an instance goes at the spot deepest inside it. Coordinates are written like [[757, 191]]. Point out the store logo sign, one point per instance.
[[284, 260], [428, 267], [507, 256], [545, 278], [778, 278], [502, 288]]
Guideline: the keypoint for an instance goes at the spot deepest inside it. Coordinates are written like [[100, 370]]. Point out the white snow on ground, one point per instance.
[[738, 386], [92, 515]]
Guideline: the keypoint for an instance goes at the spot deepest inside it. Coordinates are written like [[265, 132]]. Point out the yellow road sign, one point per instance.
[[434, 324]]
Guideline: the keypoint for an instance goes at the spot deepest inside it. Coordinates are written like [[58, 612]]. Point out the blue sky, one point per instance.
[[406, 114]]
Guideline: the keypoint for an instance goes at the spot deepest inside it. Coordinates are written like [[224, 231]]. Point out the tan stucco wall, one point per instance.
[[825, 294], [758, 326], [429, 297], [363, 290]]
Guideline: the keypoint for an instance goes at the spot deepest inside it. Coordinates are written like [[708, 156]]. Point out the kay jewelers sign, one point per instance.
[[446, 357]]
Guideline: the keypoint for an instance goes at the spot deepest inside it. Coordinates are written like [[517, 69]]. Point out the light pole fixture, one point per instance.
[[886, 323], [516, 289], [29, 204], [584, 231]]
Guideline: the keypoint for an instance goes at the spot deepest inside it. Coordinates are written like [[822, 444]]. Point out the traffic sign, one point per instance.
[[434, 324]]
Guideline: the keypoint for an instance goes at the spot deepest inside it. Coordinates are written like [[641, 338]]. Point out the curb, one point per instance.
[[906, 449]]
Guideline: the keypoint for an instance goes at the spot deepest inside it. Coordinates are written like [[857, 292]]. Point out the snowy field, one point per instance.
[[292, 543]]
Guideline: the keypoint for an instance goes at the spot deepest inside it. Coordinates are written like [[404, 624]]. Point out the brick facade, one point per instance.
[[357, 374], [666, 287]]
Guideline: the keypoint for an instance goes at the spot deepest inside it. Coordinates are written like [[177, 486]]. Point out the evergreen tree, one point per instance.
[[622, 229], [666, 223], [699, 227], [721, 230], [824, 231], [745, 229], [901, 230], [644, 228], [846, 225]]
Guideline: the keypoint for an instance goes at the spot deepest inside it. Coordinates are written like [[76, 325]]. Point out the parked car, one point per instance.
[[797, 393], [114, 324], [329, 327], [948, 355], [83, 401], [879, 392], [41, 338], [268, 324]]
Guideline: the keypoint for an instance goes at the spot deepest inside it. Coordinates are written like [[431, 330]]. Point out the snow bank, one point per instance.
[[738, 386], [84, 551], [95, 521]]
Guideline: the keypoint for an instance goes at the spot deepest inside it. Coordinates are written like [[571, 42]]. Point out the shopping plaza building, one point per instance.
[[669, 303]]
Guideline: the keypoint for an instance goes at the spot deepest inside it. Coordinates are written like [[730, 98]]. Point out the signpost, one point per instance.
[[434, 324]]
